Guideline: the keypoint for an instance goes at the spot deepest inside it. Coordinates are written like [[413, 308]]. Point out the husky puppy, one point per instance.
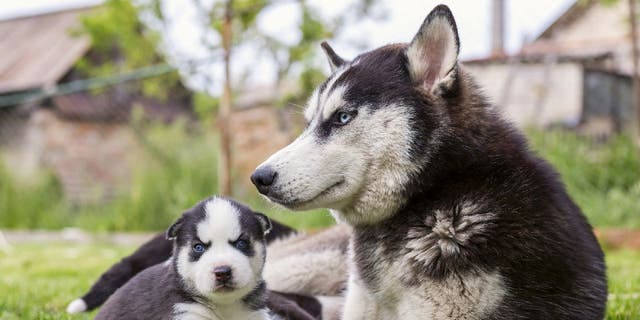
[[214, 273], [453, 217], [154, 251], [306, 273]]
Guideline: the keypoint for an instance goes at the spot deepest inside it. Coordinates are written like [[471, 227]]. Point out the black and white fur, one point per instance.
[[453, 217], [306, 273], [157, 250], [215, 271]]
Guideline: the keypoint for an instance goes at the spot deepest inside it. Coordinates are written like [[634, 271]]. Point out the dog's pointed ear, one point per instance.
[[335, 61], [265, 223], [172, 232], [433, 53]]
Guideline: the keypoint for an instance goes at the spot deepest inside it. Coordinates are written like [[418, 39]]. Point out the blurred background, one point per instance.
[[116, 115]]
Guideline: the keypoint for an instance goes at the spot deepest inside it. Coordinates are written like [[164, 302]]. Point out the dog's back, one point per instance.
[[151, 294]]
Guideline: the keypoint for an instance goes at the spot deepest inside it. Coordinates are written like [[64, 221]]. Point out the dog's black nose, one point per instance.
[[222, 273], [263, 178]]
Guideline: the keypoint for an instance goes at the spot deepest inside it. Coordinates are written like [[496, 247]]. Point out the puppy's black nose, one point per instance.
[[263, 178], [222, 273]]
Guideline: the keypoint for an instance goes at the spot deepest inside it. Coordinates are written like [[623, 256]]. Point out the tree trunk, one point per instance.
[[636, 78], [224, 167]]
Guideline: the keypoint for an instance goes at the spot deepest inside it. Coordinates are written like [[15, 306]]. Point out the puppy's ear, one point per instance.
[[433, 53], [335, 61], [265, 223], [172, 232]]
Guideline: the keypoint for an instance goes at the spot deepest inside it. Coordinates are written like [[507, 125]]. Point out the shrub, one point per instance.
[[603, 178], [178, 169]]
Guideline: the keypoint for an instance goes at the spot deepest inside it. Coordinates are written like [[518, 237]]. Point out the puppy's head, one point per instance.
[[219, 249]]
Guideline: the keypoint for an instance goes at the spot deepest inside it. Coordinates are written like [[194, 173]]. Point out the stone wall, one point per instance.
[[258, 133], [91, 159], [94, 160]]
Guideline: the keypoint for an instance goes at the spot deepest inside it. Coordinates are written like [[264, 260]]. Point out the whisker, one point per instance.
[[296, 105], [293, 112]]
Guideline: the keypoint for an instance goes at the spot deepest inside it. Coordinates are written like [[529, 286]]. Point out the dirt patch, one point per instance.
[[619, 238], [72, 235]]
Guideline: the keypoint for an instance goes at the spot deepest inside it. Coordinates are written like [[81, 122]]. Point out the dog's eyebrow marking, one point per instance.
[[325, 94], [334, 101], [319, 96], [312, 105], [197, 239]]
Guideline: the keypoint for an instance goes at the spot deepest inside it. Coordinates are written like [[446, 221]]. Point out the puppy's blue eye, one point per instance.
[[198, 248], [241, 244], [344, 118]]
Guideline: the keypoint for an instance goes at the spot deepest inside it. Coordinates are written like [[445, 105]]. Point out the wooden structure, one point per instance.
[[37, 51]]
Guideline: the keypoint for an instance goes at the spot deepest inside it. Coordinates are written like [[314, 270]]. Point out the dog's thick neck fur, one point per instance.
[[252, 306]]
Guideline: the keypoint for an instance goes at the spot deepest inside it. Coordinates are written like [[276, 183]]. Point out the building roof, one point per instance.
[[525, 57], [586, 27], [572, 38], [574, 12], [37, 51]]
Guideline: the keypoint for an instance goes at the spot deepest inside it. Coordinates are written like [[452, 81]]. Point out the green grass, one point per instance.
[[604, 179], [624, 284], [37, 281]]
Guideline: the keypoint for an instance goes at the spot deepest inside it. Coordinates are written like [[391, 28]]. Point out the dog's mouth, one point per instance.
[[224, 288], [301, 203]]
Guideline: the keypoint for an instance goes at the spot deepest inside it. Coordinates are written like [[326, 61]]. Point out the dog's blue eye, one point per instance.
[[198, 248], [344, 118], [241, 244]]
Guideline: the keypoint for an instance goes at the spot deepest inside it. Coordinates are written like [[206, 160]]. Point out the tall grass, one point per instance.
[[603, 178], [178, 169], [30, 204], [161, 186]]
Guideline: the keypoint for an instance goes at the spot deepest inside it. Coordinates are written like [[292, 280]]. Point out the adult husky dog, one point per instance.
[[453, 217]]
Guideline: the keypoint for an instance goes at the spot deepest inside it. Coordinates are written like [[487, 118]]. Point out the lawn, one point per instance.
[[37, 281]]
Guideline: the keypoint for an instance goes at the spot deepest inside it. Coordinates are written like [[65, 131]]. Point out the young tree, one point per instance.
[[224, 173], [120, 43], [224, 26], [218, 30]]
